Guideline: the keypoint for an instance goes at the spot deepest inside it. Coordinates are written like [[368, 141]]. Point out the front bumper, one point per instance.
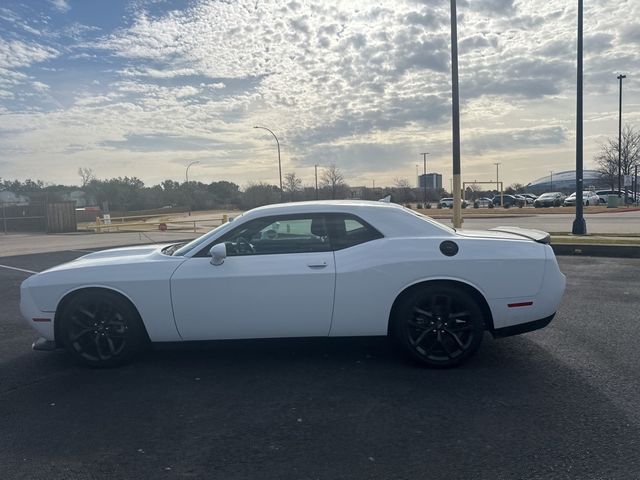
[[41, 321]]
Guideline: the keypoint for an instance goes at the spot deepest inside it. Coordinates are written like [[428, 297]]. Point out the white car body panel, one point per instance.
[[139, 273], [261, 296], [184, 297]]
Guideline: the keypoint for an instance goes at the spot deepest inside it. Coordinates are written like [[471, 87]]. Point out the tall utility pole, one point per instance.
[[579, 225], [424, 177], [279, 163], [620, 77], [551, 172], [316, 167], [455, 120], [497, 164]]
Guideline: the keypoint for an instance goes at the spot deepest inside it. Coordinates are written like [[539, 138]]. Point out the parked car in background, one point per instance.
[[549, 199], [483, 202], [529, 196], [508, 201], [525, 200], [447, 202], [604, 195], [588, 198]]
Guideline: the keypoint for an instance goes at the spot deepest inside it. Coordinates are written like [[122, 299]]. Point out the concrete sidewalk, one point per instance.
[[25, 244]]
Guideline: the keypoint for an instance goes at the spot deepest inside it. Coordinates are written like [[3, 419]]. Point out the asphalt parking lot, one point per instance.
[[563, 402]]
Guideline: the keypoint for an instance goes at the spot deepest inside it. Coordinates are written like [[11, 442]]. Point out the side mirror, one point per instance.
[[218, 253]]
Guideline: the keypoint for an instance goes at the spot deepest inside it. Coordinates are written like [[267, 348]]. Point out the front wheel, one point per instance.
[[439, 326], [101, 329]]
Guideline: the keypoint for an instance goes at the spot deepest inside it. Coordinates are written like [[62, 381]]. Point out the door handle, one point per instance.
[[317, 265]]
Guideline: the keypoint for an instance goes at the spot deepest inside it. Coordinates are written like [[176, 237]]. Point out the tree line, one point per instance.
[[131, 193]]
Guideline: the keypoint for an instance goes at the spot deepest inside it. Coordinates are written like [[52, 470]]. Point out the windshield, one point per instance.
[[186, 248]]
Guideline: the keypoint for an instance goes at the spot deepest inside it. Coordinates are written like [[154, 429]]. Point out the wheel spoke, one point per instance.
[[444, 346], [419, 325], [86, 312], [421, 311], [416, 342], [456, 338], [464, 313], [82, 333], [112, 347], [80, 323], [96, 340]]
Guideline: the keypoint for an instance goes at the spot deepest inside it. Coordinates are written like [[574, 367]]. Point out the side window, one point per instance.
[[348, 231], [278, 235]]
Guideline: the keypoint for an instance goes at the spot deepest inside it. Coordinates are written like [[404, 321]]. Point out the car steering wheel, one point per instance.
[[243, 246]]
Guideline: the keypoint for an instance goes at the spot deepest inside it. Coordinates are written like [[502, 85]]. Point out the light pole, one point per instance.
[[579, 225], [497, 164], [186, 177], [186, 173], [620, 77], [551, 172], [424, 177], [455, 119], [316, 167], [279, 163]]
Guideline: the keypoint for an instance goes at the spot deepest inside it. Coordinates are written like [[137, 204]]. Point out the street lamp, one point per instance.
[[279, 163], [424, 177], [551, 172], [316, 167], [186, 177], [620, 77], [186, 173], [579, 225]]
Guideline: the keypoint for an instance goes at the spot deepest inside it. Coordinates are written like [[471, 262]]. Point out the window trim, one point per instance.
[[204, 252], [350, 216]]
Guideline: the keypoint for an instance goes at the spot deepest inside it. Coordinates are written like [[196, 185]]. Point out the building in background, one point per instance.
[[431, 180], [566, 182]]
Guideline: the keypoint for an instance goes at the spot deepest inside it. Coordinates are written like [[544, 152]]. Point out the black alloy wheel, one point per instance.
[[101, 329], [440, 326]]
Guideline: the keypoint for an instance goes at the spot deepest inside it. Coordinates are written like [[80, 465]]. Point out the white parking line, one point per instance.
[[18, 269]]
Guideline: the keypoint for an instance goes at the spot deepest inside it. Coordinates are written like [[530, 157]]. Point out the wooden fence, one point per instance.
[[55, 217]]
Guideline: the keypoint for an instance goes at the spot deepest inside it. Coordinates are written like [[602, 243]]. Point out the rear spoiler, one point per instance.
[[535, 235]]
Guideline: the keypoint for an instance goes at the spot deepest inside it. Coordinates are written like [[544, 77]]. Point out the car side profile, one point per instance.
[[549, 199], [589, 198], [309, 269]]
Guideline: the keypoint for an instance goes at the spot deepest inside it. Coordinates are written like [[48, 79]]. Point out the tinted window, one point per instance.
[[348, 230], [277, 235]]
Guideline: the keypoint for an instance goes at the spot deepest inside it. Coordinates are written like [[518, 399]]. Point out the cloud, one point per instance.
[[60, 5], [522, 138]]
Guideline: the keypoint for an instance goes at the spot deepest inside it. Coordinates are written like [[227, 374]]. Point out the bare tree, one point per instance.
[[292, 184], [86, 176], [402, 189], [332, 178], [607, 157]]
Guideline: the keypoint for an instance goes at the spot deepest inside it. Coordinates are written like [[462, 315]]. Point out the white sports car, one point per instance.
[[313, 269]]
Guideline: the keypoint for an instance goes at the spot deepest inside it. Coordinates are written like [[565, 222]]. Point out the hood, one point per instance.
[[115, 256]]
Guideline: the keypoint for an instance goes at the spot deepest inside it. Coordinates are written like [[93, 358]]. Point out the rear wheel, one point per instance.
[[439, 326], [101, 329]]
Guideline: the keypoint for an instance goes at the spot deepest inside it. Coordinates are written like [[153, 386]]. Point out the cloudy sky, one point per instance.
[[143, 87]]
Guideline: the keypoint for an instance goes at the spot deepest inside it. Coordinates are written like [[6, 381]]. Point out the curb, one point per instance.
[[595, 250]]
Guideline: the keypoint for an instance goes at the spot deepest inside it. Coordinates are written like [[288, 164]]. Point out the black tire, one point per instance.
[[587, 203], [101, 329], [428, 333]]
